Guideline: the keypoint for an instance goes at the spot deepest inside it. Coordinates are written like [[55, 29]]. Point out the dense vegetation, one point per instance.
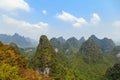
[[60, 59], [113, 73], [14, 66]]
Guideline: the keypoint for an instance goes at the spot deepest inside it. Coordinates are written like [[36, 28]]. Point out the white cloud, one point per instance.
[[9, 25], [95, 18], [116, 24], [78, 22], [44, 12], [10, 5], [66, 16], [12, 21]]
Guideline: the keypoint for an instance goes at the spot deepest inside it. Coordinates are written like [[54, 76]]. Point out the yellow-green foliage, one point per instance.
[[13, 65], [8, 72], [11, 56]]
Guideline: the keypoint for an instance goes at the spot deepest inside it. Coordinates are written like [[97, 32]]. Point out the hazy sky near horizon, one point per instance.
[[55, 18]]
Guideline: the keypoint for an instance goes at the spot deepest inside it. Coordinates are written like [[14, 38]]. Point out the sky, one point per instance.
[[55, 18]]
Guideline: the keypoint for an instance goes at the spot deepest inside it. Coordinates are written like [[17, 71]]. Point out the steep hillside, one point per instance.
[[90, 52], [106, 45], [73, 42], [44, 55], [56, 44], [69, 46]]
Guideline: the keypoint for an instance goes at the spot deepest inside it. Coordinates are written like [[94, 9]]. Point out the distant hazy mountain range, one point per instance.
[[105, 44], [69, 45], [21, 41]]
